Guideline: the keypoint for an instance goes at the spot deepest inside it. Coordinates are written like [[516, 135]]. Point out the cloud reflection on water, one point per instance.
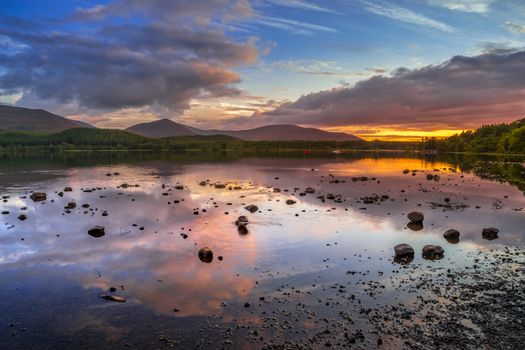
[[160, 270]]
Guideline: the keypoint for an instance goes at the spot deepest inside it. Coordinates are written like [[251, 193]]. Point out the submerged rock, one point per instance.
[[309, 190], [433, 252], [68, 189], [290, 201], [404, 253], [38, 196], [22, 217], [113, 298], [490, 233], [206, 255], [416, 217], [220, 186], [97, 231], [251, 208]]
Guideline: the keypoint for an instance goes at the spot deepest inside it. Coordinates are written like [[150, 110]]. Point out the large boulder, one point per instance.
[[38, 196], [416, 217], [404, 253], [206, 255], [97, 231], [433, 252], [452, 235], [490, 233]]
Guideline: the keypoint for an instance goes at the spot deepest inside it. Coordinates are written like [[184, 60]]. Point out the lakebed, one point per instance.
[[313, 267]]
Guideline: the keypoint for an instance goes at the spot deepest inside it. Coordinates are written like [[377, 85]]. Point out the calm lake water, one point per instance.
[[301, 266]]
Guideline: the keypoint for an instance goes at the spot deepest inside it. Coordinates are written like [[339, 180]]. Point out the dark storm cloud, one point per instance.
[[460, 93], [108, 66]]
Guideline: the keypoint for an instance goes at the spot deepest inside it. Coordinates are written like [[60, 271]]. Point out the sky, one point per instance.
[[374, 68]]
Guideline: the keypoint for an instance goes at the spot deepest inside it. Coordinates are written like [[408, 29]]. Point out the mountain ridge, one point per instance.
[[22, 119], [275, 132], [33, 120]]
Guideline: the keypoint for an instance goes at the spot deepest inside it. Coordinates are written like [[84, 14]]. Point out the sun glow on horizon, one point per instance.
[[393, 134]]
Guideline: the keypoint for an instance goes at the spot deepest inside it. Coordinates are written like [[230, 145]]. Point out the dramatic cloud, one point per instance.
[[463, 92], [166, 57], [402, 14]]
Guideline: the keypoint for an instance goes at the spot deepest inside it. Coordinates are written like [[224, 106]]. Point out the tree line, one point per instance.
[[494, 138], [108, 139]]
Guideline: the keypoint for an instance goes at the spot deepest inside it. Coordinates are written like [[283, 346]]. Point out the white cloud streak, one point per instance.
[[293, 26], [402, 14], [302, 5], [475, 6]]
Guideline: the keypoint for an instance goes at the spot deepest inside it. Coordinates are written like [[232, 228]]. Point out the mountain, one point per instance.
[[34, 120], [283, 132], [39, 120], [168, 128], [161, 128]]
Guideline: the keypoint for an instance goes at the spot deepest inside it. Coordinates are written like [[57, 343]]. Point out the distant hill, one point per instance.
[[169, 128], [33, 120], [161, 128], [283, 132]]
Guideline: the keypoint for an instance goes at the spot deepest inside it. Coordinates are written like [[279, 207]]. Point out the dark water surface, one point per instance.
[[301, 270]]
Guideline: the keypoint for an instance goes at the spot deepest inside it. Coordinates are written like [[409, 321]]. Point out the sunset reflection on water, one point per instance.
[[156, 268]]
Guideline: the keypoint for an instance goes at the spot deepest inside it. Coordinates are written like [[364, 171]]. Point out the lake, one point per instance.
[[315, 268]]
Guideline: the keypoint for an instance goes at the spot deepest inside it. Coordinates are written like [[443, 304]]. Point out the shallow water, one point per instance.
[[297, 266]]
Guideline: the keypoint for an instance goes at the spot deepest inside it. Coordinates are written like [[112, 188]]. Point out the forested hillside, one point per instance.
[[74, 138], [109, 139], [495, 138]]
